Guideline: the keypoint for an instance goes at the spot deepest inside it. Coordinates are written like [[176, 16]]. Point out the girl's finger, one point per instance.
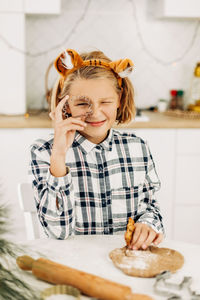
[[52, 115], [158, 239], [143, 236], [72, 120], [136, 234], [58, 111], [74, 127], [150, 238]]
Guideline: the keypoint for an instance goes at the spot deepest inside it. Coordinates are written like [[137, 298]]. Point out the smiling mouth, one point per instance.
[[99, 123]]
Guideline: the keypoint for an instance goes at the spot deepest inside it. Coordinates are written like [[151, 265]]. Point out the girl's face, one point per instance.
[[104, 102]]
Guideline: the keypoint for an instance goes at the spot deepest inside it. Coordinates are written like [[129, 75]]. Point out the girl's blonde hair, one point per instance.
[[125, 112]]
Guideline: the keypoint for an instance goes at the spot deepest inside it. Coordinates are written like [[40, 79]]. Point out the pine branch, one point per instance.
[[11, 286]]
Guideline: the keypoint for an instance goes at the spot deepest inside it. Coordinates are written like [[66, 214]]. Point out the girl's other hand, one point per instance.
[[64, 130], [143, 236]]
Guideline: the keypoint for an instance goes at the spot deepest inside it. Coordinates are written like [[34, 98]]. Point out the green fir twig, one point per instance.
[[11, 286]]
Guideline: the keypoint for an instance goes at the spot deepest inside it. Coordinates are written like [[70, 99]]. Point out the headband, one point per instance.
[[69, 61]]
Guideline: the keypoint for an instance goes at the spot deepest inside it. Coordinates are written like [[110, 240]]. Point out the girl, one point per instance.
[[88, 178]]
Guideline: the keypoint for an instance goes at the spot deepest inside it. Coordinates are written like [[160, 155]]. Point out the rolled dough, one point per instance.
[[146, 263]]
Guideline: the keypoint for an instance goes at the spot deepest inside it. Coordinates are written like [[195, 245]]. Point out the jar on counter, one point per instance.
[[162, 105], [173, 100], [179, 99]]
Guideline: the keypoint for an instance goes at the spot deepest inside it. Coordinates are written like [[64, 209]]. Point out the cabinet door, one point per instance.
[[187, 223], [13, 86], [42, 6], [14, 157], [187, 189], [187, 192], [11, 6], [188, 141], [178, 8], [162, 146]]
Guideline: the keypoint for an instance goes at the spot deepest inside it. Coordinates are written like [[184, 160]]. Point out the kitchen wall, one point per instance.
[[164, 51]]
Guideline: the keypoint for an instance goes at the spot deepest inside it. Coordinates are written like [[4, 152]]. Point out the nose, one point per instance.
[[95, 110]]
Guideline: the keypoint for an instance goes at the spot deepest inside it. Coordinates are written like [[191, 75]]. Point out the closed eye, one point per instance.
[[82, 104]]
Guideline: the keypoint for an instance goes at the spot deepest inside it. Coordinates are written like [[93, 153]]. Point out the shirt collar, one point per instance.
[[87, 146]]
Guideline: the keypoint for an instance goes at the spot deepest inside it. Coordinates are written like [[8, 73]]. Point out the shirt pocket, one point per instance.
[[133, 178], [123, 205]]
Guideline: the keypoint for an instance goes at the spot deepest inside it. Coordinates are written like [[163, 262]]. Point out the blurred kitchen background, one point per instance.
[[162, 37], [122, 28]]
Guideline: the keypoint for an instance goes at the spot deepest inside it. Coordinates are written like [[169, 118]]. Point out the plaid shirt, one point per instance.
[[106, 184]]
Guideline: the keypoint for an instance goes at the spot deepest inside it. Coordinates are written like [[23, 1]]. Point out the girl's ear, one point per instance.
[[67, 61]]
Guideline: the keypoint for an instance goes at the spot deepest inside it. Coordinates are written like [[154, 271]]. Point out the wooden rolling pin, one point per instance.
[[88, 284]]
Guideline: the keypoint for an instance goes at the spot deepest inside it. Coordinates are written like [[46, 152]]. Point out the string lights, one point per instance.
[[148, 52], [60, 45], [139, 33]]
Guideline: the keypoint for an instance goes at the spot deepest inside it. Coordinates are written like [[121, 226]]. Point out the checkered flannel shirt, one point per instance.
[[106, 184]]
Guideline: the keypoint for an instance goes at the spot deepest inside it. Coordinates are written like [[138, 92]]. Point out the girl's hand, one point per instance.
[[64, 130], [143, 236]]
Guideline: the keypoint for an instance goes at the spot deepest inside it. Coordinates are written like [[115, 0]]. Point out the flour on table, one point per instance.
[[138, 259], [146, 263]]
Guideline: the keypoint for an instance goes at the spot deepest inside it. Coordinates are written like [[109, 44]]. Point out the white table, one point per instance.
[[90, 254]]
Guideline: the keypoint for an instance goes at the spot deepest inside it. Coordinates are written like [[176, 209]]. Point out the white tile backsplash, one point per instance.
[[111, 27]]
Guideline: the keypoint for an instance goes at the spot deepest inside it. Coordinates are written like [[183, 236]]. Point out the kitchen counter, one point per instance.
[[155, 120]]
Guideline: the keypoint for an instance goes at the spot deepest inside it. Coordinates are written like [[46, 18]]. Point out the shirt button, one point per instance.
[[100, 169], [103, 202]]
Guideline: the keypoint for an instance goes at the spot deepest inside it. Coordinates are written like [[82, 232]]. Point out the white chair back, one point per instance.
[[27, 204]]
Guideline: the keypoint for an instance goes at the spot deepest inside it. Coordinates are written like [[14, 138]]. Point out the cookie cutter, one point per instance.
[[85, 102], [164, 288], [60, 290]]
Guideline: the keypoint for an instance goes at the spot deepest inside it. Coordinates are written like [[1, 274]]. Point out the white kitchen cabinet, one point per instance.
[[188, 141], [187, 223], [162, 146], [31, 6], [187, 191], [177, 9], [11, 6], [12, 49], [42, 6], [14, 157], [12, 70], [176, 153]]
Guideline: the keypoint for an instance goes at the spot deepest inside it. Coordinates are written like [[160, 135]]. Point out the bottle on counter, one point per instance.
[[194, 94], [173, 99], [179, 99], [195, 86]]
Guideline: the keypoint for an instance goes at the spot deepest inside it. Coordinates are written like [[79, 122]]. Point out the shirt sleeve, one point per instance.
[[148, 208], [53, 196]]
